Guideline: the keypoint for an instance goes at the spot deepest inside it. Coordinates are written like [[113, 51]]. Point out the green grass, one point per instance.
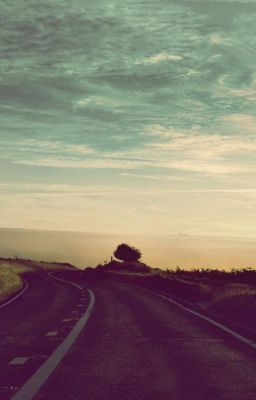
[[11, 271], [10, 279]]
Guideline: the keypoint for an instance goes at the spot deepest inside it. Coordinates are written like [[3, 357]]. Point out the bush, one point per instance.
[[124, 252]]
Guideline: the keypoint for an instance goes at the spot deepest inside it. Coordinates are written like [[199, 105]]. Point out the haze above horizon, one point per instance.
[[85, 249], [135, 117]]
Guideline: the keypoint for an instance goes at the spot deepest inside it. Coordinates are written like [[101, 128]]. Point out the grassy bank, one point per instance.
[[12, 270], [10, 279], [231, 294], [236, 302]]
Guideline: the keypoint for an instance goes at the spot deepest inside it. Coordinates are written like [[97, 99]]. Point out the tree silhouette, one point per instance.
[[127, 253]]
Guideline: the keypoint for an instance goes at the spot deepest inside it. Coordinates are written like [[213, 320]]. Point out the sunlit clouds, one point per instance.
[[159, 58], [129, 118]]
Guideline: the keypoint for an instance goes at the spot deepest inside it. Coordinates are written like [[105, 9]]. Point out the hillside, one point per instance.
[[12, 270]]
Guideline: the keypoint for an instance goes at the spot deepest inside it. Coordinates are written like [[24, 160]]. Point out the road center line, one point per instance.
[[32, 386], [18, 361], [52, 333]]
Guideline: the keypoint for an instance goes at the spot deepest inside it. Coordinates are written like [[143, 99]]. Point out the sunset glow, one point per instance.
[[129, 118]]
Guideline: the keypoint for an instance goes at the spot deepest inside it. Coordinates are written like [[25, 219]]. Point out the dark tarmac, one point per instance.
[[135, 346]]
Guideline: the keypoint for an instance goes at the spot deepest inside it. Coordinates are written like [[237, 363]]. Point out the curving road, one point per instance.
[[138, 346], [33, 326], [135, 346]]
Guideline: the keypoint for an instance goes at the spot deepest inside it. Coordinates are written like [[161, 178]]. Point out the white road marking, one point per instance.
[[74, 312], [31, 387], [7, 388], [38, 357], [17, 295], [67, 319], [224, 328], [18, 361], [64, 280], [51, 334]]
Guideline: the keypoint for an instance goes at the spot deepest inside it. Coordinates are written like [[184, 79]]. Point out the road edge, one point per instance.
[[17, 295], [36, 381], [222, 327]]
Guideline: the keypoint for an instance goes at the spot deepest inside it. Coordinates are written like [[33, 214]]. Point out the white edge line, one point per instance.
[[18, 361], [32, 386], [224, 328], [17, 295], [64, 280]]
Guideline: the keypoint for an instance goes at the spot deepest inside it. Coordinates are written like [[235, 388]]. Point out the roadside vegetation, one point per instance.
[[12, 270], [10, 279], [230, 295]]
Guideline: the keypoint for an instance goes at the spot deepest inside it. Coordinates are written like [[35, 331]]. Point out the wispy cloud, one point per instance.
[[60, 190], [197, 166], [155, 177], [207, 152], [157, 58], [34, 146], [92, 163], [244, 122], [191, 151], [247, 93], [158, 98], [217, 39], [207, 145], [90, 100]]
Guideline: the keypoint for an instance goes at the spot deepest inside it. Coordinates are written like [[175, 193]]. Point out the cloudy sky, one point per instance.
[[135, 117]]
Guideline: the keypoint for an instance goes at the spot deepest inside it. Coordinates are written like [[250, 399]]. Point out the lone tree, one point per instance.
[[127, 253]]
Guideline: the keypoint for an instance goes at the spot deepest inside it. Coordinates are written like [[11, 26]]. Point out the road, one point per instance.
[[135, 346], [33, 326]]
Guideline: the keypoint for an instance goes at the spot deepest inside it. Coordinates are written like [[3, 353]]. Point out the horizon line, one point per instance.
[[180, 235]]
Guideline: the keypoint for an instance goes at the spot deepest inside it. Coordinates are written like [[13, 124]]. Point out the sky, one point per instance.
[[133, 117]]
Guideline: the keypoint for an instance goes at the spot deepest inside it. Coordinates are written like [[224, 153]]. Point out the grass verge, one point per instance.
[[10, 279], [11, 272]]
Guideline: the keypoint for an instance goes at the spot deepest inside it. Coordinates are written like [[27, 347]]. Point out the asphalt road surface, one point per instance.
[[135, 345], [33, 326]]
